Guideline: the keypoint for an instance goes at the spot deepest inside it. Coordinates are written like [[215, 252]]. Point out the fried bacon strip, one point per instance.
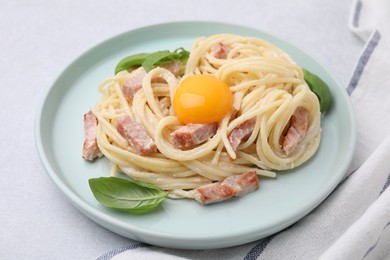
[[296, 133], [236, 185], [132, 85], [193, 134], [241, 133], [90, 148], [220, 51], [136, 136]]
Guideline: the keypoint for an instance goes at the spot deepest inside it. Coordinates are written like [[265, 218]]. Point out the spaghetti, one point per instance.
[[268, 89]]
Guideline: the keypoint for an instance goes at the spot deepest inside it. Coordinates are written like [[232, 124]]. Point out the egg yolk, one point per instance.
[[202, 99]]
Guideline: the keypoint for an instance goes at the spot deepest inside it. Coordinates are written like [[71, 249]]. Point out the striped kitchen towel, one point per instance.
[[354, 221]]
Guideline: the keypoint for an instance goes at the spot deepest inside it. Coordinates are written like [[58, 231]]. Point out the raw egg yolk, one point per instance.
[[202, 99]]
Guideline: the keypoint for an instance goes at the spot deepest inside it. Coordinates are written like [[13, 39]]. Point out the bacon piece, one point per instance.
[[296, 133], [241, 133], [174, 66], [213, 193], [132, 85], [90, 148], [236, 185], [193, 134], [242, 184], [220, 51], [164, 104], [136, 136]]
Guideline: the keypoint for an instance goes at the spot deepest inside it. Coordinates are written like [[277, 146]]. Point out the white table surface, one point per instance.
[[39, 38]]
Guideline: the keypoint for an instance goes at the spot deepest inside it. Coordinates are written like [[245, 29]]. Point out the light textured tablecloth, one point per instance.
[[39, 38]]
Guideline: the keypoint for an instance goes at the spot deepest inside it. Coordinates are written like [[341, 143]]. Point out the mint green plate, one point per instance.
[[277, 204]]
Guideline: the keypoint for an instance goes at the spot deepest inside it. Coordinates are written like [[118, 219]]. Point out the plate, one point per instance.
[[185, 224]]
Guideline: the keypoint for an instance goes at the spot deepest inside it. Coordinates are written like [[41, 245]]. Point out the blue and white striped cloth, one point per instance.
[[354, 221]]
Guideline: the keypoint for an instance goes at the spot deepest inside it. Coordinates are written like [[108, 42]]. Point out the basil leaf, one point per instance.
[[320, 88], [155, 58], [131, 61], [159, 57], [133, 196], [151, 60], [182, 54]]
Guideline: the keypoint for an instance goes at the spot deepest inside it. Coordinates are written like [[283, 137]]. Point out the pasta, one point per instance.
[[268, 89]]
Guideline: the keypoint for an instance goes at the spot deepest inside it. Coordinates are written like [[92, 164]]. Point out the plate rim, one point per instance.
[[93, 212]]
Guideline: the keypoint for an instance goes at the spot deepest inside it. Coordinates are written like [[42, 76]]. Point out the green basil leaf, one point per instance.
[[320, 88], [128, 62], [159, 57], [182, 54], [133, 196], [151, 60], [156, 58]]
